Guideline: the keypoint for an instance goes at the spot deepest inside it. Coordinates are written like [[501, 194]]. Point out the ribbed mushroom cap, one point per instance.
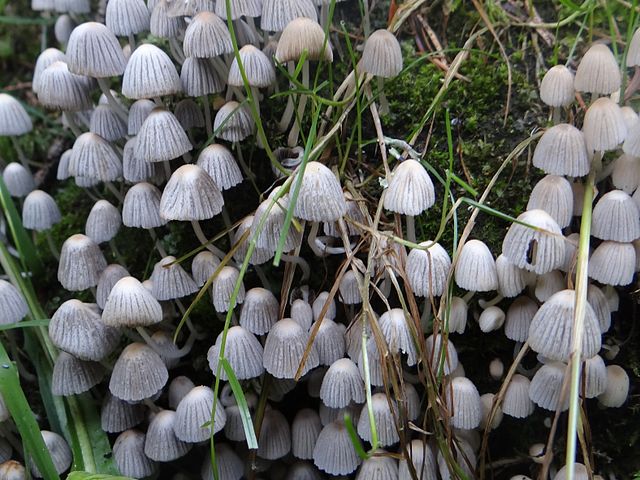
[[553, 194], [161, 443], [218, 162], [94, 50], [305, 428], [207, 36], [190, 194], [46, 58], [427, 269], [161, 137], [14, 119], [138, 113], [434, 351], [189, 114], [616, 217], [464, 403], [350, 288], [131, 305], [233, 122], [276, 14], [62, 173], [75, 327], [239, 8], [320, 197], [613, 263], [135, 169], [334, 452], [631, 118], [93, 157], [486, 404], [257, 66], [162, 25], [72, 6], [562, 150], [243, 352], [303, 35], [127, 17], [384, 419], [617, 390], [259, 311], [106, 123], [600, 304], [552, 328], [128, 453], [229, 465], [259, 255], [595, 374], [222, 289], [268, 234], [458, 311], [329, 341], [424, 462], [516, 402], [108, 278], [382, 56], [193, 412], [40, 211], [511, 279], [547, 284], [179, 387], [518, 319], [18, 180], [62, 29], [274, 440], [342, 384], [604, 127], [546, 387], [12, 304], [12, 470], [302, 313], [395, 328], [117, 415], [204, 265], [58, 450], [72, 376], [141, 207], [379, 466], [476, 268], [598, 71], [103, 222], [170, 280], [284, 349], [199, 77], [539, 250], [139, 373], [60, 89], [556, 88], [631, 145], [410, 190], [81, 263], [150, 73]]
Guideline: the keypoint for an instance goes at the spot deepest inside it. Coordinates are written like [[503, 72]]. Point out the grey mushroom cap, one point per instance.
[[554, 195], [108, 278], [382, 56], [106, 123], [410, 190], [604, 126], [616, 217], [305, 428], [276, 14], [427, 269], [63, 27], [18, 180], [613, 263], [422, 458], [135, 169], [189, 114], [81, 263], [193, 416], [161, 443], [243, 351], [190, 194], [12, 303], [14, 119], [59, 451], [163, 25], [257, 66], [598, 71], [161, 124], [138, 113], [203, 266], [117, 415], [303, 35], [150, 73], [334, 452], [219, 163], [127, 17], [138, 373], [223, 286], [72, 6], [93, 157], [320, 198], [199, 77], [170, 280], [141, 207], [230, 466], [93, 50], [259, 310], [72, 376], [60, 89], [284, 349], [40, 211], [207, 36], [562, 150], [384, 419], [129, 456], [233, 122], [274, 440], [131, 305], [46, 58], [103, 222], [239, 8]]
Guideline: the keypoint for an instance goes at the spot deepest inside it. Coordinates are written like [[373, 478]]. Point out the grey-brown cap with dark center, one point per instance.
[[81, 263], [103, 222], [190, 194], [382, 56], [139, 373], [161, 137]]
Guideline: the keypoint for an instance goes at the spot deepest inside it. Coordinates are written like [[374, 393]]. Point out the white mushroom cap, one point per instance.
[[103, 222], [161, 124], [284, 349], [604, 127], [580, 473], [170, 280], [141, 207], [127, 17], [72, 376], [548, 284], [276, 14], [458, 311], [422, 458], [476, 268], [556, 88], [190, 194], [218, 162], [129, 456], [491, 319], [410, 190], [626, 173], [379, 466], [486, 404], [93, 157], [595, 374], [18, 180], [511, 279], [257, 66], [259, 311], [204, 265], [382, 55], [199, 77], [518, 319], [305, 428], [12, 304], [59, 451], [14, 119], [350, 288], [72, 6], [562, 150], [163, 25], [222, 289], [546, 387], [334, 452], [269, 235], [516, 402], [129, 304], [631, 145], [302, 313], [395, 328], [303, 35], [94, 50], [320, 198], [434, 351], [617, 389], [633, 53], [58, 88], [108, 278], [384, 420], [600, 304], [40, 211], [207, 36], [375, 363], [233, 122], [616, 217], [598, 71], [553, 194], [179, 387], [243, 352], [329, 342], [138, 113], [427, 270], [464, 402], [194, 411], [81, 263], [161, 443], [259, 255], [274, 440], [139, 373], [46, 58], [135, 169], [342, 384], [150, 73], [62, 28], [106, 123], [613, 263]]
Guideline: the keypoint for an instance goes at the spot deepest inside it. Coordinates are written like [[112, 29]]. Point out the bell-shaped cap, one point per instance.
[[229, 465], [556, 88], [127, 17], [12, 304], [46, 58], [342, 384], [302, 313], [72, 376], [103, 222], [150, 73], [106, 123], [189, 114], [58, 450], [395, 328], [139, 373], [135, 169], [190, 194], [18, 180], [379, 466], [131, 305], [259, 311], [243, 352], [117, 415], [551, 329], [334, 452], [546, 387], [303, 35], [518, 319], [631, 145], [75, 327], [241, 238], [434, 352], [284, 350], [239, 8], [613, 263], [329, 341], [161, 123], [222, 289], [604, 127], [193, 416], [464, 403], [458, 312], [199, 77], [598, 71], [600, 304], [93, 157], [203, 266], [422, 458], [138, 113], [207, 36], [427, 269], [562, 150], [476, 268], [62, 28], [276, 14], [511, 279], [382, 56], [384, 420], [40, 211], [14, 119], [170, 280], [274, 440], [553, 194], [108, 278], [179, 387], [58, 88], [539, 249], [129, 456], [320, 197], [617, 390], [626, 173], [410, 190], [516, 402], [233, 122], [162, 24], [616, 217], [350, 288], [161, 443], [141, 207], [218, 162], [305, 428], [257, 66], [81, 263], [269, 221], [93, 50]]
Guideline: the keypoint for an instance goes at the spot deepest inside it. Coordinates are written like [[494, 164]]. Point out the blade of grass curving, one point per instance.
[[353, 436], [241, 401], [25, 324], [23, 417], [95, 476]]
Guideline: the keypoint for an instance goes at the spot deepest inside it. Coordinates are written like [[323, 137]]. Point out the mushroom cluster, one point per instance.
[[153, 147]]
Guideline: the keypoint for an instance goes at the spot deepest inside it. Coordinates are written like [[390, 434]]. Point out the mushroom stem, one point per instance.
[[411, 228], [263, 278], [292, 139], [19, 152], [52, 245], [156, 243], [556, 115], [167, 169], [468, 296], [227, 223], [197, 229], [245, 168], [207, 115], [484, 304], [301, 262], [384, 103], [311, 240], [73, 125], [103, 83], [112, 188], [284, 122], [176, 50], [181, 352]]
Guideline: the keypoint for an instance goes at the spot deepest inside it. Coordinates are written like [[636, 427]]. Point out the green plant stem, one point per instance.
[[581, 285]]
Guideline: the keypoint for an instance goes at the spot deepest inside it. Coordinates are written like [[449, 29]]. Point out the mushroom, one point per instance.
[[334, 452], [382, 58], [127, 18], [274, 441], [200, 78], [161, 443], [556, 90], [14, 121], [129, 456], [40, 212], [305, 428]]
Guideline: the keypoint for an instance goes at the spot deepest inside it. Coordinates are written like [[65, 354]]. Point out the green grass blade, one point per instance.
[[94, 476], [355, 440], [245, 415], [23, 417], [25, 324]]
